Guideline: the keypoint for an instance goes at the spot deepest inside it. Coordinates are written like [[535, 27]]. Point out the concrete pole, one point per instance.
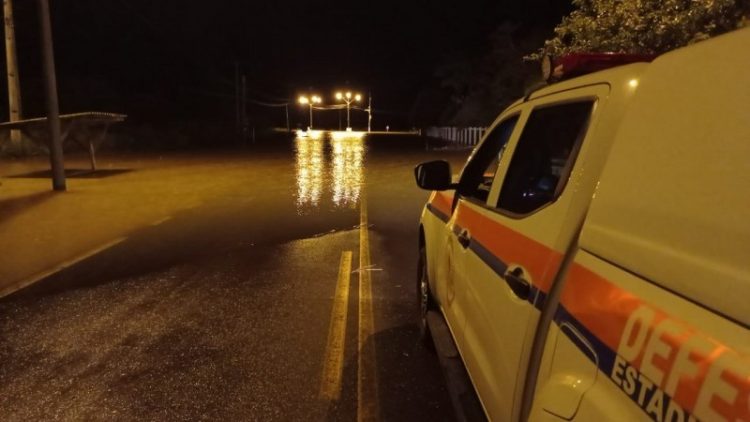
[[243, 108], [237, 91], [369, 113], [348, 126], [243, 105], [311, 121], [286, 109], [14, 85], [53, 111]]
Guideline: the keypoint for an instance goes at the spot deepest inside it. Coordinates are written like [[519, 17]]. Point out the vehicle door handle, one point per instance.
[[464, 238], [520, 286]]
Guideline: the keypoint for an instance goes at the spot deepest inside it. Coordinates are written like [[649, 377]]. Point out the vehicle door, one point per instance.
[[483, 163], [512, 240]]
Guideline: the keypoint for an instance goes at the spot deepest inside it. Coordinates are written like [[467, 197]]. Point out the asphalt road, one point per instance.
[[290, 299]]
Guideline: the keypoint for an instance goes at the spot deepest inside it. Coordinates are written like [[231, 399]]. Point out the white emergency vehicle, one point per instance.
[[592, 261]]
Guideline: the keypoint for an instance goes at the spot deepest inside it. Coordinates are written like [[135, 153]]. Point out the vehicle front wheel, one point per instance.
[[425, 300]]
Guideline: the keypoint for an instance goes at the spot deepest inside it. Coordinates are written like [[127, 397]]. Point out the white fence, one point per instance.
[[458, 135]]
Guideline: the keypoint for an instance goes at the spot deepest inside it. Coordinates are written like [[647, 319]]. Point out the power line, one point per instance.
[[265, 104], [232, 97], [331, 107]]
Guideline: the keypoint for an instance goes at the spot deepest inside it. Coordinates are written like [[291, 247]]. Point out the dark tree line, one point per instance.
[[472, 90]]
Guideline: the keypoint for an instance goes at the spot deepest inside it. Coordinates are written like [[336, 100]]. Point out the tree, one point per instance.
[[642, 26], [481, 87]]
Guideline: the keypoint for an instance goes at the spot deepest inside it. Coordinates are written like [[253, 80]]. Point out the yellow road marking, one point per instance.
[[367, 390], [330, 386]]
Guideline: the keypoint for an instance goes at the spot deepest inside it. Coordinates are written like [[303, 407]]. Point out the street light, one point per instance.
[[304, 100], [347, 98]]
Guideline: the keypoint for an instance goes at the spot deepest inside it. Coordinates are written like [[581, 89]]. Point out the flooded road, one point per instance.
[[275, 283]]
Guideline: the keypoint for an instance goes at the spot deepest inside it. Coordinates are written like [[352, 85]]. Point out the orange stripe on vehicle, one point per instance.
[[706, 378], [676, 367], [588, 297], [442, 201], [512, 247]]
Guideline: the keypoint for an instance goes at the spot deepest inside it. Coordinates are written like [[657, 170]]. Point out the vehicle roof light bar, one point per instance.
[[577, 64]]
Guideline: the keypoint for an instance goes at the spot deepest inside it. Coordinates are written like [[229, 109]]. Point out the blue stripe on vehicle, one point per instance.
[[492, 261], [536, 297], [499, 266], [605, 354], [605, 359], [539, 297], [439, 214]]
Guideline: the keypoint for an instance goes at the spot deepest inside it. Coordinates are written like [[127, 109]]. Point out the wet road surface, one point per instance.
[[227, 310]]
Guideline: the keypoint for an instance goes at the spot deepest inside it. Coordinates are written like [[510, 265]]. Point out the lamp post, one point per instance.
[[348, 99], [314, 99]]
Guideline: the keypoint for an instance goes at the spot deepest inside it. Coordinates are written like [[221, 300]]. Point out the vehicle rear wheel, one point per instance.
[[426, 303]]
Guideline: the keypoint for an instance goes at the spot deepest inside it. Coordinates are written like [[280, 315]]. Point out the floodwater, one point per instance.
[[201, 285]]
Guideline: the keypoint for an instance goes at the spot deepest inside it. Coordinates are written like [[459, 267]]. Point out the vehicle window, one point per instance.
[[544, 156], [478, 174]]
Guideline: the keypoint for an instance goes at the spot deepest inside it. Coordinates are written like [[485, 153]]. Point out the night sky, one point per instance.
[[176, 58]]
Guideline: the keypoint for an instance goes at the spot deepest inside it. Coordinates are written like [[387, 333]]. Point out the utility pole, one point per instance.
[[53, 111], [369, 112], [348, 98], [286, 109], [311, 119], [238, 123], [14, 86], [348, 125], [243, 108]]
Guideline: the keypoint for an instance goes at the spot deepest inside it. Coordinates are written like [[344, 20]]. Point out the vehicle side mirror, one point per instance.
[[434, 175]]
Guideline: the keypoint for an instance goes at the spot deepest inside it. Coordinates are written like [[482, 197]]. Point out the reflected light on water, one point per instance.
[[309, 133], [347, 156], [338, 135], [310, 170], [339, 173]]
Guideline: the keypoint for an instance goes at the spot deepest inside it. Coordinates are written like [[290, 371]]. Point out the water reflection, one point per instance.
[[310, 170], [347, 156], [340, 173]]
